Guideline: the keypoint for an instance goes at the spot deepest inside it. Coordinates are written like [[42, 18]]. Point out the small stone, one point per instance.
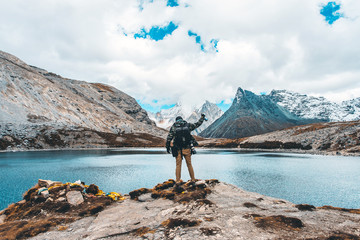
[[45, 194], [49, 200], [61, 199], [2, 218], [22, 201], [200, 184], [74, 198], [62, 192]]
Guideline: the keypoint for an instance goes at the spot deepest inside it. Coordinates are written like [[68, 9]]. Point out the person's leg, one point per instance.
[[178, 166], [187, 155]]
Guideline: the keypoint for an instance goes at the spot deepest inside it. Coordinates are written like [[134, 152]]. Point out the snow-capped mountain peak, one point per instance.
[[166, 117], [310, 107]]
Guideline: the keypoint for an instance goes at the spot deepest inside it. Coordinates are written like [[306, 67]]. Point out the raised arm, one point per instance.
[[193, 126]]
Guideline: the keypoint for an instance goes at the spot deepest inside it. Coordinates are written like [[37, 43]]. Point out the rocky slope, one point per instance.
[[201, 210], [336, 138], [251, 114], [34, 99], [319, 138], [165, 118], [311, 107]]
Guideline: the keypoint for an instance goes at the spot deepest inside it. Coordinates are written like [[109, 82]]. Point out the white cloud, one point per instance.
[[263, 45]]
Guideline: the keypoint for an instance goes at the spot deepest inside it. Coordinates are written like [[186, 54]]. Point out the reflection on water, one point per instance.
[[317, 180]]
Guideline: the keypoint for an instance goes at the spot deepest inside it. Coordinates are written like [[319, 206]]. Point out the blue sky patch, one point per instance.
[[330, 12], [224, 106], [205, 48], [197, 39], [157, 32], [214, 43], [172, 3], [169, 3], [154, 107]]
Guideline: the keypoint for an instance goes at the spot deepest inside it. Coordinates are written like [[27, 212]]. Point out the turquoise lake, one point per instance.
[[310, 179]]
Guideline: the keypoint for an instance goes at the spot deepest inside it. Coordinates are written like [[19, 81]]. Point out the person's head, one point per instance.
[[178, 118]]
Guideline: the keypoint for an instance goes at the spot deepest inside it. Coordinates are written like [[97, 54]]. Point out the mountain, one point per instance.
[[212, 113], [166, 117], [310, 107], [35, 101], [251, 114]]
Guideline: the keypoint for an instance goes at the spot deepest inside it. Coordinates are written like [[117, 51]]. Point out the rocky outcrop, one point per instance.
[[332, 138], [201, 210], [33, 98], [61, 137], [250, 115], [341, 138]]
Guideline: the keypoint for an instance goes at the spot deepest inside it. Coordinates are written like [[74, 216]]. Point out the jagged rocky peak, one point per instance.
[[240, 94]]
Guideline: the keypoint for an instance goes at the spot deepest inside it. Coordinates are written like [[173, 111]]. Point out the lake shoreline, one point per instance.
[[296, 151]]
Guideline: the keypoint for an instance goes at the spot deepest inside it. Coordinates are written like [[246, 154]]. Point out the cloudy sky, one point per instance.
[[164, 51]]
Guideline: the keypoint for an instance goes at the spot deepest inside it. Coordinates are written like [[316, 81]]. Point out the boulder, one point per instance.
[[74, 198], [45, 194]]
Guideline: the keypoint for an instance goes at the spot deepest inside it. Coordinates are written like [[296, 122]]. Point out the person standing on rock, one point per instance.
[[183, 142]]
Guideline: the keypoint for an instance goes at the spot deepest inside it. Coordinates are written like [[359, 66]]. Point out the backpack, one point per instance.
[[182, 135]]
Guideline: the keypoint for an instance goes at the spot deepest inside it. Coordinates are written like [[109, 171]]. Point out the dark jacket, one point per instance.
[[180, 131]]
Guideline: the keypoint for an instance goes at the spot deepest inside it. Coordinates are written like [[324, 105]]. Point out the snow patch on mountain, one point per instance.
[[166, 117], [310, 107]]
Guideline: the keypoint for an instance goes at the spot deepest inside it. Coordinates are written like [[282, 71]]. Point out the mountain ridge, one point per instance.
[[36, 101], [305, 106]]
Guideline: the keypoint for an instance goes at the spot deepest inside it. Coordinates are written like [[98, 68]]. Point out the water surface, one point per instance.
[[317, 180]]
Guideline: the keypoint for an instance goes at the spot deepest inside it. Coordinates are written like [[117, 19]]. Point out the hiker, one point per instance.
[[183, 144]]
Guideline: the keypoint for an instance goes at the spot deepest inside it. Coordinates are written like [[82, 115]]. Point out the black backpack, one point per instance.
[[182, 135]]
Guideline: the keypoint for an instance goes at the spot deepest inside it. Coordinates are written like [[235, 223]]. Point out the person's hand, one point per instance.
[[168, 149]]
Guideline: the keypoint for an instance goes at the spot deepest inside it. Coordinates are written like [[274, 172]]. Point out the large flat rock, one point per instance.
[[227, 213]]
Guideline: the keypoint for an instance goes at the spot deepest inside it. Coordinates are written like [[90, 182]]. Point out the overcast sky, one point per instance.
[[163, 51]]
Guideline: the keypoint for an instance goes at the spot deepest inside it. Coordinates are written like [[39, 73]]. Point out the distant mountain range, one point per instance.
[[252, 114], [39, 109], [309, 107], [166, 117]]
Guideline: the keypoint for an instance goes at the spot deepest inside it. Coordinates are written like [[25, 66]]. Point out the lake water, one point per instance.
[[316, 180]]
